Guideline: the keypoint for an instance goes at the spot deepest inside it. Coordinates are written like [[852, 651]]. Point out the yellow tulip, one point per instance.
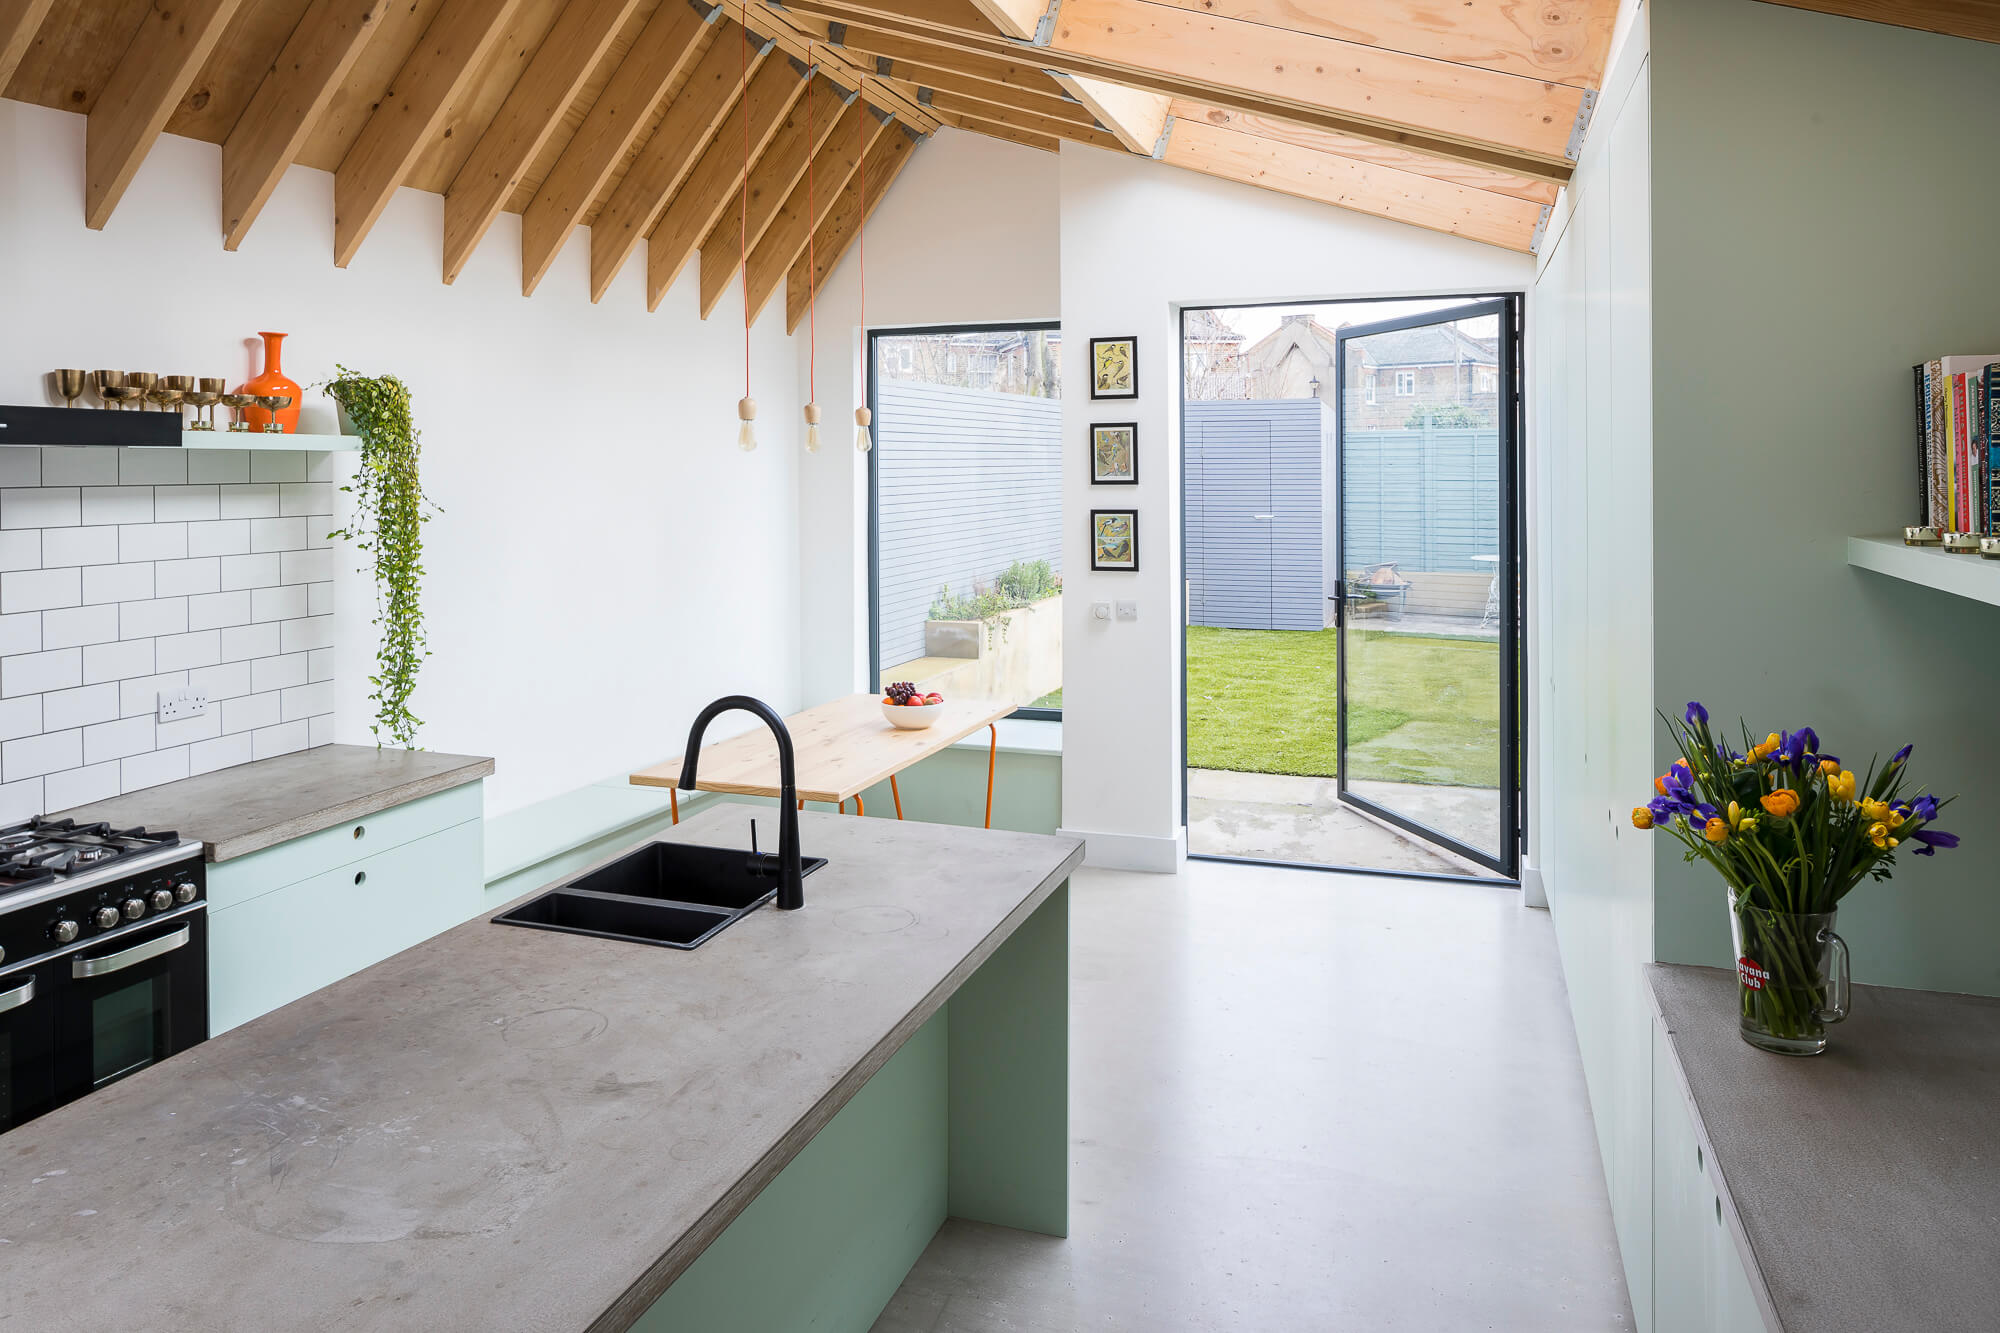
[[1828, 767], [1878, 834], [1642, 818], [1841, 787], [1895, 819]]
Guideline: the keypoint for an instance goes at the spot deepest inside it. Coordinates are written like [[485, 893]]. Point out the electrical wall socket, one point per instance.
[[186, 702], [1128, 610]]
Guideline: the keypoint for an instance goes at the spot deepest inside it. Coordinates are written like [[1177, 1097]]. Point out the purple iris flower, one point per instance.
[[1900, 755], [1680, 782], [1665, 808], [1811, 739], [1706, 811], [1696, 714], [1824, 757], [1792, 749], [1932, 839], [1925, 808]]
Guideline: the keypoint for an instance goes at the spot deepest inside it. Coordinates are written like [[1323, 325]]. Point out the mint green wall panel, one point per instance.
[[238, 880], [826, 1244], [287, 943], [1823, 220], [1010, 1080], [950, 788]]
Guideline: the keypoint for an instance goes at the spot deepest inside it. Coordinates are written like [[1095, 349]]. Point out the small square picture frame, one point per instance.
[[1114, 367], [1114, 453], [1114, 540]]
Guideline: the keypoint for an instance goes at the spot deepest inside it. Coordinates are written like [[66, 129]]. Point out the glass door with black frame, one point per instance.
[[1428, 612]]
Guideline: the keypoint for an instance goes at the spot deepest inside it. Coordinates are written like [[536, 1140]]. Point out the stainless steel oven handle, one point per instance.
[[17, 997], [80, 968]]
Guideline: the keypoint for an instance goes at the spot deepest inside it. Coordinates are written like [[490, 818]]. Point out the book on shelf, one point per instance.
[[1957, 404]]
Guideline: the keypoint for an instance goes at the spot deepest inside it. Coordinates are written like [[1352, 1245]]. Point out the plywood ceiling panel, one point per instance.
[[371, 81], [229, 79]]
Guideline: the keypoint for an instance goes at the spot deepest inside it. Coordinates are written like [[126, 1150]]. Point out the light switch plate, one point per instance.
[[181, 704], [1128, 610], [1100, 610]]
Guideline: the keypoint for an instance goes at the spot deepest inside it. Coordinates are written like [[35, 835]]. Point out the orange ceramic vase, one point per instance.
[[273, 382]]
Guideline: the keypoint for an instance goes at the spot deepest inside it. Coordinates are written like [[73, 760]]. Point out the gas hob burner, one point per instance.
[[42, 850]]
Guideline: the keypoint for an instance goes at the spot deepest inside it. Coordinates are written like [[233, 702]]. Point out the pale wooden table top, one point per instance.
[[842, 748]]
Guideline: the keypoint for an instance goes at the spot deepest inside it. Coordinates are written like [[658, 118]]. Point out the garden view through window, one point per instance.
[[968, 512]]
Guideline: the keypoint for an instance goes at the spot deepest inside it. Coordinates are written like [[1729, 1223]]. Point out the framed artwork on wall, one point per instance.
[[1114, 453], [1114, 367], [1114, 539]]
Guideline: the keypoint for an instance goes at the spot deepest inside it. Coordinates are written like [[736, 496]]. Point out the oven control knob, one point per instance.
[[134, 908], [63, 932], [104, 918], [161, 899], [185, 891]]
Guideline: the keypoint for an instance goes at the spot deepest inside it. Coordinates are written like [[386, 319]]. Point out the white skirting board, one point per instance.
[[1133, 851]]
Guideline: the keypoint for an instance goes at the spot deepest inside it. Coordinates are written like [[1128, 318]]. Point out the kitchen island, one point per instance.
[[517, 1129]]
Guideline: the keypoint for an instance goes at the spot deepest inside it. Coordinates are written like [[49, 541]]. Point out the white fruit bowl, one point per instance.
[[911, 718]]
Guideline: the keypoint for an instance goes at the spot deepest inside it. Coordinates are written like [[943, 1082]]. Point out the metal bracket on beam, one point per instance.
[[801, 68], [883, 67], [836, 34], [1166, 133], [1045, 31], [1062, 85], [709, 13], [765, 49], [1579, 130], [924, 96], [1541, 229]]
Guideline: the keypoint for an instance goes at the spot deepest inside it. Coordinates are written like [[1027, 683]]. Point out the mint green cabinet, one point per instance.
[[293, 918], [1700, 1284]]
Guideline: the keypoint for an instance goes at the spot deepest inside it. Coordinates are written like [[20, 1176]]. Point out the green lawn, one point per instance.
[[1424, 709]]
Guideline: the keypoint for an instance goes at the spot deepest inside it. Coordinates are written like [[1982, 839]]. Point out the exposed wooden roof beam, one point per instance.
[[459, 38], [1014, 18], [1362, 186], [534, 108], [779, 167], [920, 60], [983, 116], [1048, 143], [887, 157], [170, 48], [1499, 121], [287, 104], [1344, 145], [802, 41], [670, 153], [718, 177], [674, 38], [786, 238], [1976, 19], [1136, 116], [1563, 41], [20, 20]]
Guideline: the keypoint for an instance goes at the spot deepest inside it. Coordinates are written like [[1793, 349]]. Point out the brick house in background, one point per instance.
[[1396, 376]]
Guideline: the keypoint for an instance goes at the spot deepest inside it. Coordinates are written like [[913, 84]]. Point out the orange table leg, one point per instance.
[[841, 808], [859, 809], [674, 796], [992, 753], [895, 792]]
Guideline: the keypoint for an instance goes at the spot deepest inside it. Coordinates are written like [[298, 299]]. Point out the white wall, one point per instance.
[[1590, 624], [967, 235], [607, 560], [1140, 240]]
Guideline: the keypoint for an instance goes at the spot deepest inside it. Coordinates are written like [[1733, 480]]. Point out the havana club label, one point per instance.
[[1752, 976]]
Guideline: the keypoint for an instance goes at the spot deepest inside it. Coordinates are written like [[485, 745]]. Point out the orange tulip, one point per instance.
[[1642, 818], [1717, 830], [1783, 802]]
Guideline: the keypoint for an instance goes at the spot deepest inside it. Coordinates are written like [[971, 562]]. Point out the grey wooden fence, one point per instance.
[[970, 482], [1426, 499]]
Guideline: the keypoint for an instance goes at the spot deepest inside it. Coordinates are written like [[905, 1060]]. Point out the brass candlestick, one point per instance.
[[69, 385], [241, 402]]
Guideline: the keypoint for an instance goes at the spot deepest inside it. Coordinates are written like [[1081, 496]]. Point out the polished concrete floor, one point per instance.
[[1304, 1101]]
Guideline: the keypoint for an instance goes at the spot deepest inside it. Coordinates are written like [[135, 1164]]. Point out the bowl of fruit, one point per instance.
[[910, 708]]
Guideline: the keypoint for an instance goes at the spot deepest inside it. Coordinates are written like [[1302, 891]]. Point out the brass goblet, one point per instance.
[[203, 401], [109, 379], [143, 381], [69, 385], [239, 401], [122, 394], [274, 403], [181, 386], [165, 396]]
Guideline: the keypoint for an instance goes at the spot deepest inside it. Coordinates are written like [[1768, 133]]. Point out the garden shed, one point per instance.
[[1260, 513]]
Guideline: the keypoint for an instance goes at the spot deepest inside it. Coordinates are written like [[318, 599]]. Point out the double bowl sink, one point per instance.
[[674, 895]]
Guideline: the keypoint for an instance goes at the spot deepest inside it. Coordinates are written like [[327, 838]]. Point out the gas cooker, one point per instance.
[[63, 883]]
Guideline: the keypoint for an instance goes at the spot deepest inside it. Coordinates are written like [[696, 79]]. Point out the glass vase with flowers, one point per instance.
[[1792, 832]]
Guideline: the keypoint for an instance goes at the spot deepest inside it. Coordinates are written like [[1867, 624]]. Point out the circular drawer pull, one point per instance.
[[359, 830], [360, 878]]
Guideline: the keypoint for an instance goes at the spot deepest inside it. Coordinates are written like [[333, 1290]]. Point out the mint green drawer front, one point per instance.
[[245, 877], [279, 946]]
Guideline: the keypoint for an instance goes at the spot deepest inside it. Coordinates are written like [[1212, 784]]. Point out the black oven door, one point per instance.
[[27, 1045], [131, 1002]]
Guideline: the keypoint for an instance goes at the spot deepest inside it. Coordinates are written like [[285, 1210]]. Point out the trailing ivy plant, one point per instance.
[[390, 509]]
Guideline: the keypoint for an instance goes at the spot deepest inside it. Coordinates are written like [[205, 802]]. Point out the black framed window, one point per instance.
[[965, 511]]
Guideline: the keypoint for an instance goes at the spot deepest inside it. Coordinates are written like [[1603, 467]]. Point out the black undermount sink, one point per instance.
[[665, 893]]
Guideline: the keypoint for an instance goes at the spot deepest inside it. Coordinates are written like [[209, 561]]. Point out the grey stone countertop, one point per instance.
[[1866, 1179], [244, 809], [500, 1128]]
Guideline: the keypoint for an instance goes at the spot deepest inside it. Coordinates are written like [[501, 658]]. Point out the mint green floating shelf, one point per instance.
[[261, 442], [1970, 576]]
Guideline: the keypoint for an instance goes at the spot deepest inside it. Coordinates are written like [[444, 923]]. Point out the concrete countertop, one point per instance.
[[244, 809], [1865, 1179], [504, 1129]]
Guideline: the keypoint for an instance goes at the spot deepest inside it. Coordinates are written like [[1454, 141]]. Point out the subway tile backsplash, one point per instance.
[[125, 572]]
